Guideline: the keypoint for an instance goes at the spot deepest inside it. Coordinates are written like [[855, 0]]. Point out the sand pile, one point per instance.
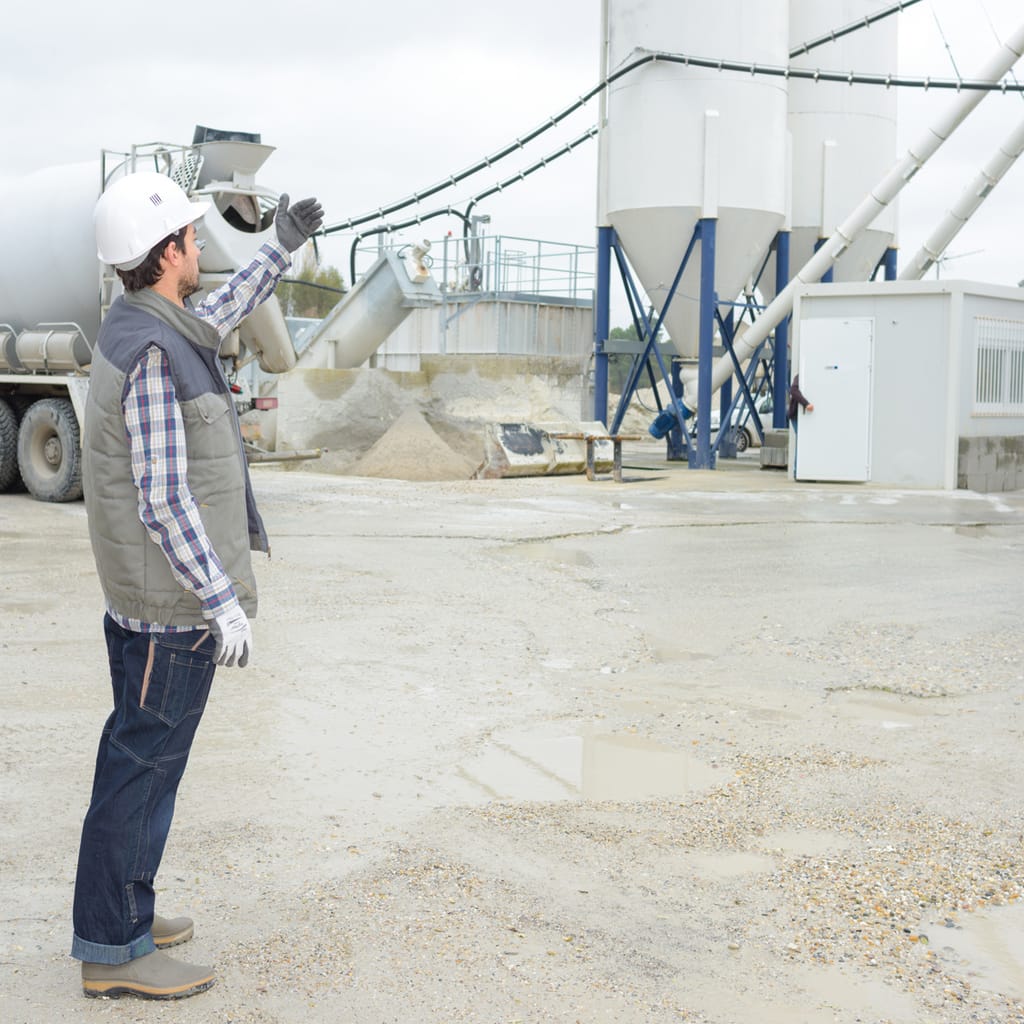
[[411, 450]]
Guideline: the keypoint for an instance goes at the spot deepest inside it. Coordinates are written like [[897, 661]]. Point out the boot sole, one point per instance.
[[166, 941], [116, 989]]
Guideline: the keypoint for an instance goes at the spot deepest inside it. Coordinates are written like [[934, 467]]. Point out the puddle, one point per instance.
[[586, 767], [807, 842], [987, 948], [976, 530], [727, 865], [889, 711], [557, 553]]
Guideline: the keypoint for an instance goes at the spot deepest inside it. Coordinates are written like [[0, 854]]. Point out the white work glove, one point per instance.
[[233, 634]]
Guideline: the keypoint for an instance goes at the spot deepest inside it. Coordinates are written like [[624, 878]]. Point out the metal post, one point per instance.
[[726, 446], [890, 259], [602, 319], [780, 389], [829, 276], [675, 446], [703, 457]]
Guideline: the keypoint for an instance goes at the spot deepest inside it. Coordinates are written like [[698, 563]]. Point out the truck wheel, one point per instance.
[[8, 447], [49, 450]]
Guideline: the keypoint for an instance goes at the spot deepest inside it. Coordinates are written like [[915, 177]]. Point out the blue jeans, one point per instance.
[[161, 682]]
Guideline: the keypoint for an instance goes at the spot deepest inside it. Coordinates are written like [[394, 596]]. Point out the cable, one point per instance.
[[655, 56], [464, 217], [312, 284], [945, 43], [866, 22], [995, 35]]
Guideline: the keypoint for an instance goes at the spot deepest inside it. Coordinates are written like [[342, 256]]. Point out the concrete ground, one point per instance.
[[700, 746]]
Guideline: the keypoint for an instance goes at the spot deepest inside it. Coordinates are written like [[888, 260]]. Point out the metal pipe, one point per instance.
[[961, 212], [869, 208], [602, 321]]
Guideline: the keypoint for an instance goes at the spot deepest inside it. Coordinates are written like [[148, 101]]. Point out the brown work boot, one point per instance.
[[153, 976], [171, 931]]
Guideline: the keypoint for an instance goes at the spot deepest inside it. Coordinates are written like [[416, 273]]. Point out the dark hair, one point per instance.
[[148, 272]]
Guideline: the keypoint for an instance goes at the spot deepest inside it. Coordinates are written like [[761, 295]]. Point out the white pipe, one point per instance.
[[870, 207], [961, 212]]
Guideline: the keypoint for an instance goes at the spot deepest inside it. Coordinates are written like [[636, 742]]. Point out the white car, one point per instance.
[[746, 434]]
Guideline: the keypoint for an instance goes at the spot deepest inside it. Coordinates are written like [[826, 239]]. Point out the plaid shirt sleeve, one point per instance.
[[167, 507], [226, 307]]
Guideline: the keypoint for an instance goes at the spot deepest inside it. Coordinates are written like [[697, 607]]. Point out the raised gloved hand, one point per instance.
[[296, 223], [233, 634]]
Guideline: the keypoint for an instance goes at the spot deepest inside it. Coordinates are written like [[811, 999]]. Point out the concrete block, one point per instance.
[[524, 449], [774, 458]]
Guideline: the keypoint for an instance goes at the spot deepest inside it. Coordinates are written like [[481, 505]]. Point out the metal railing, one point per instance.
[[506, 265]]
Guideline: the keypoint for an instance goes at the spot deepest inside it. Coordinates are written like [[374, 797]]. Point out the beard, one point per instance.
[[189, 286]]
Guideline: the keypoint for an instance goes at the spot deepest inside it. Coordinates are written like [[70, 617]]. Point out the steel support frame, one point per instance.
[[777, 368], [679, 446], [780, 378], [745, 381], [602, 321]]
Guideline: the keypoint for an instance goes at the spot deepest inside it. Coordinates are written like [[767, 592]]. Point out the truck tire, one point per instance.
[[8, 447], [50, 451]]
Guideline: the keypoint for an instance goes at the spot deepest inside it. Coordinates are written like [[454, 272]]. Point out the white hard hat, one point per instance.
[[138, 211]]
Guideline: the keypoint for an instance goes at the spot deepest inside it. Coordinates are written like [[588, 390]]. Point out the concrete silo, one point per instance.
[[843, 138], [681, 143]]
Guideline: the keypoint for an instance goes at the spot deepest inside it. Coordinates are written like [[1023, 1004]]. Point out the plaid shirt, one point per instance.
[[156, 434]]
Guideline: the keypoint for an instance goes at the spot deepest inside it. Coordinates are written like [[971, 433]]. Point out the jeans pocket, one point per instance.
[[178, 675]]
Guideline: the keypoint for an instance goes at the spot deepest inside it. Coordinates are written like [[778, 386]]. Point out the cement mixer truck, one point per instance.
[[54, 293]]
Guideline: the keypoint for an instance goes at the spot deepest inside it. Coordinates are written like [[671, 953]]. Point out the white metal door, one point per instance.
[[834, 441]]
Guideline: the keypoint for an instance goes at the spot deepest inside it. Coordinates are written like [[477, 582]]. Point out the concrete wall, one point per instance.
[[923, 380], [489, 326]]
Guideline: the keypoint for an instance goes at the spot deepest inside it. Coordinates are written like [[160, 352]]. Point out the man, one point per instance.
[[797, 401], [171, 519]]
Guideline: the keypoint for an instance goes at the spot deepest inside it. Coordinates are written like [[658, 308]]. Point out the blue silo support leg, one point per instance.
[[890, 264], [829, 276], [676, 448], [651, 347], [724, 444], [703, 458], [780, 382], [602, 322]]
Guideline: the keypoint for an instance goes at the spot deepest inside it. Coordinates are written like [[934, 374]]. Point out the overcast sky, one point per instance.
[[369, 102]]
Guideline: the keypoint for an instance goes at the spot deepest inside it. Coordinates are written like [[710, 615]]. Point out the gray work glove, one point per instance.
[[295, 224]]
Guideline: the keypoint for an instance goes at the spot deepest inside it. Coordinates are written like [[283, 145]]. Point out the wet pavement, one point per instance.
[[707, 746]]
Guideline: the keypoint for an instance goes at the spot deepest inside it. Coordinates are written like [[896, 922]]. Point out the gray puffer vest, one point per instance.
[[133, 570]]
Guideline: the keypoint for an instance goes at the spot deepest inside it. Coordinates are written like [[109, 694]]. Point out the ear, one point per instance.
[[172, 255]]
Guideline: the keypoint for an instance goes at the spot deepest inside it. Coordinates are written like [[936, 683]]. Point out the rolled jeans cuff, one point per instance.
[[96, 953]]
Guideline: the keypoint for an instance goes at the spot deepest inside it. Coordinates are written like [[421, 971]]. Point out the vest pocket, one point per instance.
[[211, 407]]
